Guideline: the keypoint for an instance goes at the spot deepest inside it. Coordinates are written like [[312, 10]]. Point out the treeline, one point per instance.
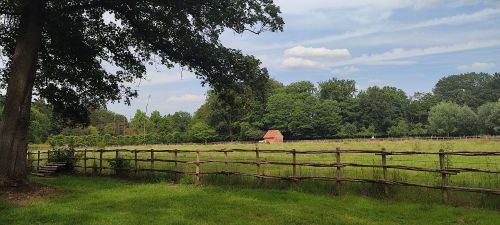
[[465, 104]]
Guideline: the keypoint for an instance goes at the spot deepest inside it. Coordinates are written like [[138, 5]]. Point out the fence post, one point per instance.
[[338, 174], [197, 175], [226, 162], [384, 169], [116, 161], [177, 174], [294, 162], [48, 155], [135, 161], [38, 162], [152, 165], [100, 161], [257, 160], [175, 158], [85, 161], [444, 177]]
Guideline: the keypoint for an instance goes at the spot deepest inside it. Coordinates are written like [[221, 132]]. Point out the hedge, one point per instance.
[[106, 140]]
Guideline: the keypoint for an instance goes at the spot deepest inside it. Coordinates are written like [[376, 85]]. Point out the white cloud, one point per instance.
[[457, 19], [186, 98], [301, 51], [394, 56], [300, 57], [345, 71], [381, 28], [311, 57], [476, 67], [301, 63]]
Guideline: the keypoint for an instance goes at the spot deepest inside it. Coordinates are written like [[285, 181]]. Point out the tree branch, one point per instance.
[[10, 13]]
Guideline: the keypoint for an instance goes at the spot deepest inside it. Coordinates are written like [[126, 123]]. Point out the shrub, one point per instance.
[[120, 165], [65, 156]]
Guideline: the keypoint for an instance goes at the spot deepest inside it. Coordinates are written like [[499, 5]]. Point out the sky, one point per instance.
[[408, 44]]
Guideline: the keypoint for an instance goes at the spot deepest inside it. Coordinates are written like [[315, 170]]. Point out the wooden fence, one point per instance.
[[337, 165]]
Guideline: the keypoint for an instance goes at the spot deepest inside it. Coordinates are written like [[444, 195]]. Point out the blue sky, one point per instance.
[[408, 44]]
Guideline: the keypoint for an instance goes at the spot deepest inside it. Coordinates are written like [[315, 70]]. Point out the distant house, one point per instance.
[[273, 137]]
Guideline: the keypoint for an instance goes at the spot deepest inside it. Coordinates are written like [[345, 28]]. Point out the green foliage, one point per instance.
[[121, 165], [489, 117], [67, 156], [382, 107], [301, 87], [448, 118], [201, 132], [419, 107], [338, 90], [402, 129], [249, 132], [298, 110], [419, 130], [348, 130], [367, 132], [39, 126], [471, 89], [77, 40]]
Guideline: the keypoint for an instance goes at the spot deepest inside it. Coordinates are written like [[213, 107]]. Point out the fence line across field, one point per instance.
[[443, 169]]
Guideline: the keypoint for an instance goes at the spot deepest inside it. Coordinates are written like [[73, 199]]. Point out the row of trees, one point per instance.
[[464, 104], [302, 110], [336, 109]]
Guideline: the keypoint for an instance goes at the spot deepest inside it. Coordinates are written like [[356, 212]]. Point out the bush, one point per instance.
[[120, 165], [65, 156]]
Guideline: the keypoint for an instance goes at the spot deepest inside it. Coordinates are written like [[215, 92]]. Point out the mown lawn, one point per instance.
[[92, 200]]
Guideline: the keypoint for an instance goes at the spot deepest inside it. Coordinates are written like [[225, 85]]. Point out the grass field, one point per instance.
[[92, 200], [429, 161]]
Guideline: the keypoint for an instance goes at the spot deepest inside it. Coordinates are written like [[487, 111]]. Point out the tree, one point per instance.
[[301, 87], [448, 118], [155, 123], [369, 131], [279, 109], [39, 127], [348, 130], [402, 129], [57, 48], [338, 90], [139, 122], [382, 107], [108, 122], [419, 107], [326, 120], [180, 121], [489, 118], [249, 132], [201, 132], [472, 89]]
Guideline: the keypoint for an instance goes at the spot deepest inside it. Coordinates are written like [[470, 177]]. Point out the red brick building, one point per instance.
[[273, 137]]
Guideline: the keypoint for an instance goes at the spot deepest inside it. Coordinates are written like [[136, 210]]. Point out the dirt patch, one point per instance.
[[26, 195]]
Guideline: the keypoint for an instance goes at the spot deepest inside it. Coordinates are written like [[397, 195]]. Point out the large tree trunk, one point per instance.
[[16, 115]]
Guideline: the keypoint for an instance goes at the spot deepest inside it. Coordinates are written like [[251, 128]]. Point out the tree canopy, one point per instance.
[[79, 55], [80, 37]]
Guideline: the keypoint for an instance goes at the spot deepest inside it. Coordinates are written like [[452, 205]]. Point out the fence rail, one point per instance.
[[443, 169]]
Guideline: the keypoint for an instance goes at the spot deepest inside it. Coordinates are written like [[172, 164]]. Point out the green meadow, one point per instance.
[[100, 200], [464, 179]]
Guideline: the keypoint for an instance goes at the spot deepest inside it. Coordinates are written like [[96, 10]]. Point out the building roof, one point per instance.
[[273, 134]]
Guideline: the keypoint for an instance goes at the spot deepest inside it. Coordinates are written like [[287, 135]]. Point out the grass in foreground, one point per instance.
[[86, 200]]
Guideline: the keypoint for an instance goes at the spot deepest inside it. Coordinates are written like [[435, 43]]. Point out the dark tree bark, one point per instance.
[[16, 115]]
